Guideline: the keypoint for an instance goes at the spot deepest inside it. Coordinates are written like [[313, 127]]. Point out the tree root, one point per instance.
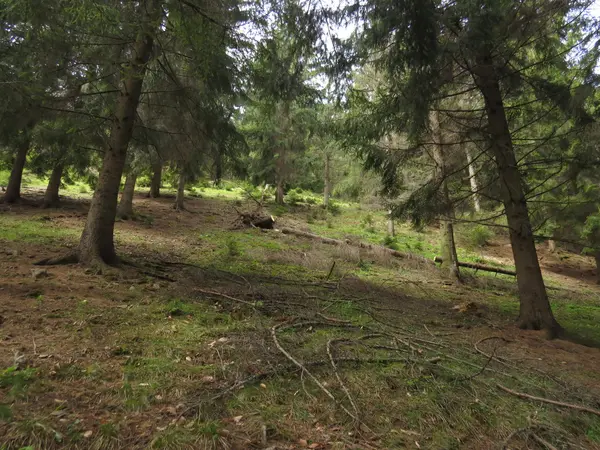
[[71, 258]]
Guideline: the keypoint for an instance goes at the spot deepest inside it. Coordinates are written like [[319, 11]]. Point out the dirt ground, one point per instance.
[[69, 319]]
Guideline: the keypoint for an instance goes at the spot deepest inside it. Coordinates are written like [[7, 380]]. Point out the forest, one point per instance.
[[287, 224]]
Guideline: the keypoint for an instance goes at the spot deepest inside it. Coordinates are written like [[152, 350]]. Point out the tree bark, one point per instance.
[[180, 191], [448, 245], [535, 311], [327, 189], [125, 208], [51, 195], [13, 190], [390, 224], [597, 258], [280, 163], [156, 180], [473, 180], [97, 240]]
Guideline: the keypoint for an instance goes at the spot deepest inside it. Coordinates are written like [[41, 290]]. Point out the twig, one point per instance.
[[487, 363], [330, 271], [294, 367], [512, 435], [305, 370], [337, 376], [546, 400], [331, 319], [542, 441], [34, 347], [219, 294]]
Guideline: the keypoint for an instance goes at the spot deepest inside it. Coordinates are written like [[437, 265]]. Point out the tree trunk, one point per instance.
[[13, 190], [473, 180], [448, 245], [327, 190], [597, 258], [51, 196], [551, 245], [180, 191], [97, 243], [156, 180], [125, 208], [280, 163], [535, 311], [390, 224]]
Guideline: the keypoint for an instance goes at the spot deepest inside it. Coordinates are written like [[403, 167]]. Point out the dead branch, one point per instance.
[[307, 372], [483, 267], [330, 241], [493, 357], [219, 294], [337, 375], [294, 368], [543, 442], [546, 400]]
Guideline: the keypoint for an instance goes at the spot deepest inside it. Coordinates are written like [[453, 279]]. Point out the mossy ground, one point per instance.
[[127, 359]]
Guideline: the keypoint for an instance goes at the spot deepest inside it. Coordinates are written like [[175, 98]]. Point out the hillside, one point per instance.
[[214, 336]]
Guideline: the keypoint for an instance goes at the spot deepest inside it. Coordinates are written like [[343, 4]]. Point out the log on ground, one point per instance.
[[331, 241], [438, 259]]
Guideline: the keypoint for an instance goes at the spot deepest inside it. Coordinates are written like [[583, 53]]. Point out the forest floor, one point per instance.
[[200, 343]]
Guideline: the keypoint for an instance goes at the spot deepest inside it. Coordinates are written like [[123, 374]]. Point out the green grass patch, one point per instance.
[[37, 230]]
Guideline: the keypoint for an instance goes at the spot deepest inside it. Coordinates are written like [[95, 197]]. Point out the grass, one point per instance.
[[33, 229], [145, 358]]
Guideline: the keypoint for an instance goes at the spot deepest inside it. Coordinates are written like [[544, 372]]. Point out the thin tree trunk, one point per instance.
[[13, 190], [218, 168], [535, 311], [327, 190], [280, 163], [390, 224], [180, 191], [473, 180], [448, 245], [97, 243], [597, 258], [156, 180], [51, 195], [125, 208]]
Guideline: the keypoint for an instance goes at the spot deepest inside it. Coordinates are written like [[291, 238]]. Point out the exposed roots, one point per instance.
[[71, 258]]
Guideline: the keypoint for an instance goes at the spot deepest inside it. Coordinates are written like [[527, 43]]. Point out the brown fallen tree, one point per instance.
[[439, 259], [330, 241]]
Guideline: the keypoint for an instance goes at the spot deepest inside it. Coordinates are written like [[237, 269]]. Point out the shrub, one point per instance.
[[293, 198], [480, 235], [233, 247], [390, 242], [334, 207]]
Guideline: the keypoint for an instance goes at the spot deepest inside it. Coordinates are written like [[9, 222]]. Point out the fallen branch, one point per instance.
[[337, 376], [294, 368], [485, 268], [546, 400], [543, 441], [331, 241], [228, 297], [307, 372]]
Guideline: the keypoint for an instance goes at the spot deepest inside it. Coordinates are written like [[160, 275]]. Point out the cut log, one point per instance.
[[330, 241], [483, 267], [266, 223], [254, 219]]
